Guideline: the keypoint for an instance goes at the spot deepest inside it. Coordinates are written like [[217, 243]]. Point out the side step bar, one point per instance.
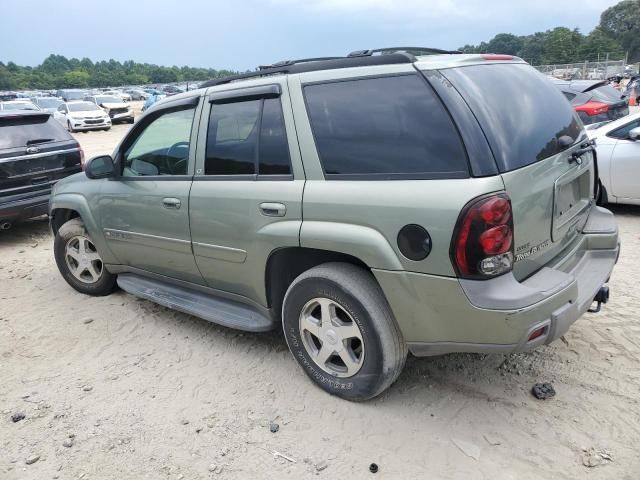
[[214, 309]]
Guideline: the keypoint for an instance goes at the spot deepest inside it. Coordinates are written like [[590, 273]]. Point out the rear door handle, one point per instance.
[[171, 202], [270, 209]]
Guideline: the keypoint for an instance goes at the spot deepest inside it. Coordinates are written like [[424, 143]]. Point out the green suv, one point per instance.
[[384, 202]]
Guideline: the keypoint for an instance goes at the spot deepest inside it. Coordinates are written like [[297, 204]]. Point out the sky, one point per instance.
[[241, 34]]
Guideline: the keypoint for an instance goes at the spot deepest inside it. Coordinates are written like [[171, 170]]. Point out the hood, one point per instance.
[[114, 105], [89, 114]]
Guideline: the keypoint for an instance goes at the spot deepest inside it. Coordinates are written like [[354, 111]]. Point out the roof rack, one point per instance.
[[409, 50], [358, 58]]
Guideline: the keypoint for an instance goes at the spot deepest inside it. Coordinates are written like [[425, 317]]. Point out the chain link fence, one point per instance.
[[585, 70]]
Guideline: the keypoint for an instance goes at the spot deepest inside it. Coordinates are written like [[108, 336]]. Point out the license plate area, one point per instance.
[[572, 197]]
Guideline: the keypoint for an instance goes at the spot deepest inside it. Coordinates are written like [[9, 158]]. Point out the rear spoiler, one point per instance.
[[19, 114], [595, 85]]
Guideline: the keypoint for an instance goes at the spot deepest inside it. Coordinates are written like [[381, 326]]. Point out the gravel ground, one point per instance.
[[121, 388]]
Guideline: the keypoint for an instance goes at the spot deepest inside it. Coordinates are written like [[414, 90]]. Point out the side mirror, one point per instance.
[[634, 134], [100, 167]]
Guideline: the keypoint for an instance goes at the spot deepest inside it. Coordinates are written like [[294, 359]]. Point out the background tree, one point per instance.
[[622, 23]]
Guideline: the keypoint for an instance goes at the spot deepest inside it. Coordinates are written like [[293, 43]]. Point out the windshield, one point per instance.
[[75, 95], [49, 102], [107, 99], [19, 106], [521, 112], [82, 107]]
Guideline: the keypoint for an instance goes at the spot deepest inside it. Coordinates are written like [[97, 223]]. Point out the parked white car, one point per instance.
[[118, 93], [618, 147], [81, 115], [117, 110]]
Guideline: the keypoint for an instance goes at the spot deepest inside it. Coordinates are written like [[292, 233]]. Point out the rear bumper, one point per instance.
[[24, 208], [439, 315]]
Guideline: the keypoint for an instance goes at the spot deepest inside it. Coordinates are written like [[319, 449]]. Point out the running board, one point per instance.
[[214, 309]]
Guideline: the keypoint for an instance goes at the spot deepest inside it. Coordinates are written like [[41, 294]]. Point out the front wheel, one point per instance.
[[79, 261], [69, 127], [340, 329]]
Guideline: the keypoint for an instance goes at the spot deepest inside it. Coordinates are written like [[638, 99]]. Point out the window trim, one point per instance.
[[386, 176], [265, 92], [138, 128]]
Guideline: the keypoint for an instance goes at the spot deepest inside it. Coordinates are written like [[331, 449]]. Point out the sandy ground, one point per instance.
[[121, 388]]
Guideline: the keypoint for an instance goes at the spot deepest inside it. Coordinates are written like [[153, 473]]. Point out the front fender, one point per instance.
[[78, 203]]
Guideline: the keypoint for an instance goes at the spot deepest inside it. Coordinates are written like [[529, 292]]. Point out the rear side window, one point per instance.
[[30, 130], [390, 127], [521, 112], [245, 138]]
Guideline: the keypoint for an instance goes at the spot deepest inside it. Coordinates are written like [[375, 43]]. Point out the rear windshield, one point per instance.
[[521, 112], [23, 131], [608, 94]]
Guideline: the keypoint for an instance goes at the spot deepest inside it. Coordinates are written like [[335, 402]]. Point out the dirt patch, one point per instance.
[[121, 388]]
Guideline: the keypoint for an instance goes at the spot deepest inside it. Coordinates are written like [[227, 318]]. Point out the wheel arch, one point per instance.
[[285, 264]]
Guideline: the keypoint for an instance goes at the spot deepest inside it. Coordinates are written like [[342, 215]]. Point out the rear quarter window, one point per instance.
[[385, 127], [520, 111]]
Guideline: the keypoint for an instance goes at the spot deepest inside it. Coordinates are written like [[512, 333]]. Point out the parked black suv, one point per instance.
[[35, 152]]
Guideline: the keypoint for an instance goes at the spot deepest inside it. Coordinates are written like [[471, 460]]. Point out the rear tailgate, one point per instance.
[[35, 152], [533, 132]]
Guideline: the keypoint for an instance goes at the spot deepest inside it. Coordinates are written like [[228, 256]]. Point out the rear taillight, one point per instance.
[[482, 245], [81, 158], [593, 108]]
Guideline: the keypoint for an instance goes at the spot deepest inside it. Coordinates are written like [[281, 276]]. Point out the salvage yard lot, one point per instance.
[[134, 390]]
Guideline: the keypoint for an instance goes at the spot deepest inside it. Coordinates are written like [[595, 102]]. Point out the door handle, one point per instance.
[[269, 209], [171, 202]]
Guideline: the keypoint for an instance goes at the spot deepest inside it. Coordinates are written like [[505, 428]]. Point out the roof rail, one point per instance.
[[286, 63], [410, 50], [358, 58]]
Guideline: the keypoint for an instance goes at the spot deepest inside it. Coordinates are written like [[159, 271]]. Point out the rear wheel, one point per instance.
[[79, 261], [341, 330]]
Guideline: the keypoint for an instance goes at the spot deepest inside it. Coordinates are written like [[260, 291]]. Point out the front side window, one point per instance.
[[162, 148], [247, 138], [394, 127]]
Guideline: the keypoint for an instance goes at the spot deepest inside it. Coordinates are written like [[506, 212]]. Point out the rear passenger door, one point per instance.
[[247, 193]]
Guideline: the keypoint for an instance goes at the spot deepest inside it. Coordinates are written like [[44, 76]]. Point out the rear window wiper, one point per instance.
[[39, 140], [586, 147]]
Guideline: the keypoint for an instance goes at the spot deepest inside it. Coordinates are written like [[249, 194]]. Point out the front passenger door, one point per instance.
[[625, 163], [145, 211]]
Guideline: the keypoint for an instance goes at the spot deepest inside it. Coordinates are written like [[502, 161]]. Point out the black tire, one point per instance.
[[602, 195], [74, 228], [358, 294]]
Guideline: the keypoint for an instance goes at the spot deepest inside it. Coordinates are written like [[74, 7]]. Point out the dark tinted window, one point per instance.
[[389, 126], [570, 96], [274, 150], [521, 112], [232, 138], [233, 143], [22, 131], [622, 133]]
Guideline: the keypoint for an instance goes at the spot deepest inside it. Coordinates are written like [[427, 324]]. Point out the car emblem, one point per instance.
[[33, 150]]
